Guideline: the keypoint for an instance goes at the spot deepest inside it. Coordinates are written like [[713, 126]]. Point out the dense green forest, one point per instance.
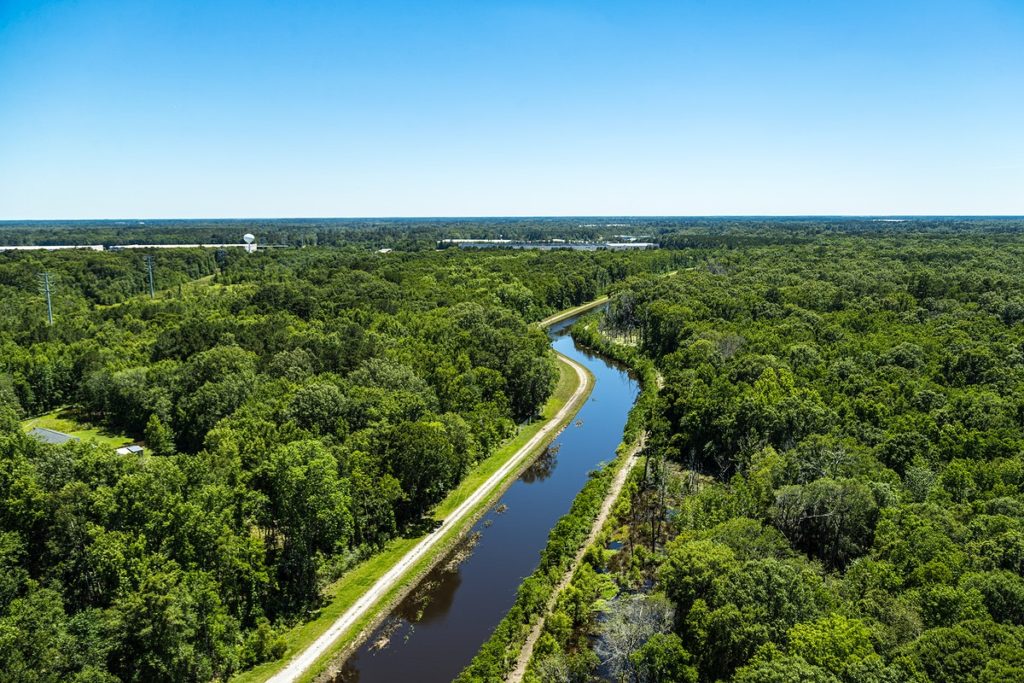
[[833, 488], [835, 482], [299, 407]]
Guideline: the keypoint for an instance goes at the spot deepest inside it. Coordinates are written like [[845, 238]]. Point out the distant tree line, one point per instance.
[[423, 233]]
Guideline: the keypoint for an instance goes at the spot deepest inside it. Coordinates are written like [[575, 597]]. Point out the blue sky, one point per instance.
[[474, 108]]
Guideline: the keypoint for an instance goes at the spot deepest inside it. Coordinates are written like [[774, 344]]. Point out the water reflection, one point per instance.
[[541, 468], [430, 601]]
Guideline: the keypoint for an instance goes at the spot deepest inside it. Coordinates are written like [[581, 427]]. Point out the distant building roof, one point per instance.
[[51, 435], [631, 245], [474, 241]]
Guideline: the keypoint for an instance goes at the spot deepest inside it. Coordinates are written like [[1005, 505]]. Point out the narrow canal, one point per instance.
[[434, 633]]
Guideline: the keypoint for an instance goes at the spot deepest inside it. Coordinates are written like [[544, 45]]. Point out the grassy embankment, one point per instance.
[[346, 590], [570, 312]]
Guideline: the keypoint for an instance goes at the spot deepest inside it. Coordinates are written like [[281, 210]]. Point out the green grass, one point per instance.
[[63, 420], [346, 590]]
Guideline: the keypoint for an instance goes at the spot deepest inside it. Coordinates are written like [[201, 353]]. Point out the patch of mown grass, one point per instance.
[[64, 420]]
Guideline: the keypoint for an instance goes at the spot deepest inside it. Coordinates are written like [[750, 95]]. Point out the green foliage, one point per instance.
[[691, 568], [847, 402], [971, 651], [159, 437], [663, 658], [834, 643], [847, 410], [771, 666], [299, 408]]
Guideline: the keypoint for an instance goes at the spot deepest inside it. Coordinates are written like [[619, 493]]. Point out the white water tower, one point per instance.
[[250, 242]]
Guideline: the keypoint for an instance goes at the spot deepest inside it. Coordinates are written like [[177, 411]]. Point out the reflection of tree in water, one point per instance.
[[434, 595], [543, 466], [431, 599]]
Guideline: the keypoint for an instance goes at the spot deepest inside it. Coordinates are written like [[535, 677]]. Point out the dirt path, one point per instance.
[[302, 661], [602, 516], [568, 313]]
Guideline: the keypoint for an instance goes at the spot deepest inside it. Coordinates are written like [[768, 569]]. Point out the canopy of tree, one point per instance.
[[844, 418], [299, 407]]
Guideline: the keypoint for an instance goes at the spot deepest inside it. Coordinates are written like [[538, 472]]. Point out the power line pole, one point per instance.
[[45, 280], [149, 267]]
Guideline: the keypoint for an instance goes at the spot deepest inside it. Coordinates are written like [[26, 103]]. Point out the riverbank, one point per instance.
[[361, 598], [507, 654], [493, 661], [610, 499], [587, 333]]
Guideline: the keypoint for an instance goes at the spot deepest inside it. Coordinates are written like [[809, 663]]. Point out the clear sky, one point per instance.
[[168, 108]]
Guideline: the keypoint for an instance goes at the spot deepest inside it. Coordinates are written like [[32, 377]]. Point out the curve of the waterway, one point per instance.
[[435, 631]]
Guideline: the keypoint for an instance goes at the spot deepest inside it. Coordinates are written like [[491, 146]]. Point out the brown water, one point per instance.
[[435, 632]]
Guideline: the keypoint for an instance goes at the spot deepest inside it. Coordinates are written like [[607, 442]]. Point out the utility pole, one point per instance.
[[45, 280], [149, 268]]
